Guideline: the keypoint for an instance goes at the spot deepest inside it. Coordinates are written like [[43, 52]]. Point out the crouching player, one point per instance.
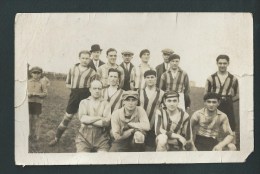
[[94, 115], [129, 125], [172, 126], [209, 123]]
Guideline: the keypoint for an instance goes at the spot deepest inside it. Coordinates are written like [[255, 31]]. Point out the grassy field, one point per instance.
[[53, 110]]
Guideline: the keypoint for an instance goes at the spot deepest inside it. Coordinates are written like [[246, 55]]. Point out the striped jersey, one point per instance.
[[102, 71], [228, 88], [179, 124], [151, 103], [179, 83], [114, 100], [79, 79], [210, 126]]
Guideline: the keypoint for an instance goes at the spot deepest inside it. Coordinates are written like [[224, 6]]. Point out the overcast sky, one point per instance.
[[53, 41]]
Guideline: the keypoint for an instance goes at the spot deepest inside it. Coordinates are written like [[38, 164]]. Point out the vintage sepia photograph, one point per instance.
[[133, 88]]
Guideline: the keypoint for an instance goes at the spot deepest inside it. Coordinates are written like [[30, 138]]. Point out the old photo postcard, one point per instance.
[[133, 88]]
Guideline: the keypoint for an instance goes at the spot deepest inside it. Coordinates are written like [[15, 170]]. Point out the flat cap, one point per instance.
[[126, 52], [127, 94], [167, 51], [36, 69]]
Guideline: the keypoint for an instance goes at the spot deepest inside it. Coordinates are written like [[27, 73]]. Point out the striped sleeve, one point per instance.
[[159, 123], [236, 91], [186, 129], [163, 82], [208, 85], [68, 79]]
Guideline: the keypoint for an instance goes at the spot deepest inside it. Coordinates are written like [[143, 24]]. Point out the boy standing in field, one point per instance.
[[36, 92], [78, 80]]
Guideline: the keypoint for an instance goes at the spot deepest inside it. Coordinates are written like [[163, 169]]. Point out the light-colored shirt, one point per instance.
[[86, 108], [210, 126], [38, 88], [119, 122]]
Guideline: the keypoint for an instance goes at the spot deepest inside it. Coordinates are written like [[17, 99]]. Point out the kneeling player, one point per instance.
[[129, 125], [209, 123], [172, 125]]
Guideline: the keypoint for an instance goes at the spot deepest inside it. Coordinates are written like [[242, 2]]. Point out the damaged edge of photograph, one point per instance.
[[133, 88]]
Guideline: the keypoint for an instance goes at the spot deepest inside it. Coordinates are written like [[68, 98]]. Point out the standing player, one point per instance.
[[113, 94], [177, 80], [150, 99], [160, 69], [226, 85], [103, 70], [129, 125], [78, 80], [94, 115], [137, 80], [128, 67], [172, 125], [36, 92], [207, 125], [95, 54]]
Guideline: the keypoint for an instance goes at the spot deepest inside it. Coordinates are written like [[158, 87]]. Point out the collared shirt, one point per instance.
[[86, 108], [96, 63], [138, 77], [36, 87], [119, 122], [179, 83], [103, 72], [79, 79], [211, 126], [228, 88], [151, 101], [114, 99]]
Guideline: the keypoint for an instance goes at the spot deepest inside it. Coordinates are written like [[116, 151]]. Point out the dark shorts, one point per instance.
[[35, 108], [150, 144], [205, 143], [76, 96], [226, 106]]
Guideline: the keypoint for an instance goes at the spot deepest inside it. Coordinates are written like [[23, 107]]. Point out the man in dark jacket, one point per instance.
[[95, 54], [160, 69], [128, 68]]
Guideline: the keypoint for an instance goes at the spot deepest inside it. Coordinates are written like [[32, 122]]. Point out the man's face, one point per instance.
[[150, 80], [174, 64], [145, 57], [111, 56], [171, 103], [84, 59], [211, 104], [127, 58], [96, 89], [222, 65], [36, 75], [166, 57], [113, 78], [130, 103], [96, 55]]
